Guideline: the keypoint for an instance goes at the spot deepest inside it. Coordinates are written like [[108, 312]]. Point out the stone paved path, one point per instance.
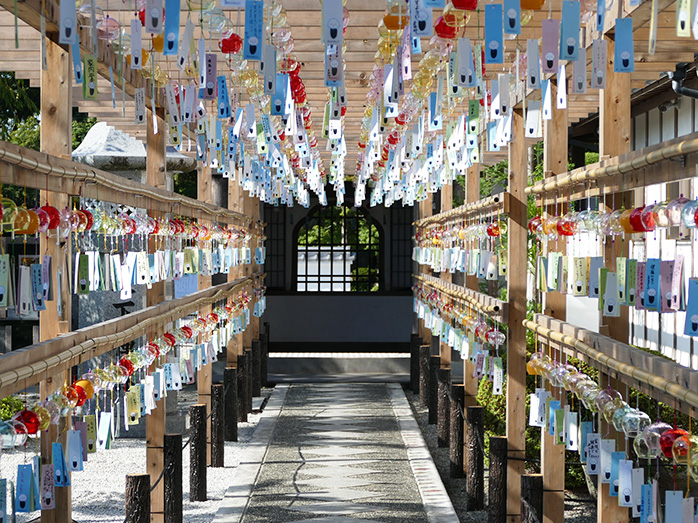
[[336, 455]]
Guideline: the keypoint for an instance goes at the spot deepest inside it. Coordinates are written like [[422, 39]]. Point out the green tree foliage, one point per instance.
[[185, 184], [18, 101]]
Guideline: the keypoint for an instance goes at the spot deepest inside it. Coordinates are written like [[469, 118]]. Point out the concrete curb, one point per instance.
[[234, 503], [437, 504]]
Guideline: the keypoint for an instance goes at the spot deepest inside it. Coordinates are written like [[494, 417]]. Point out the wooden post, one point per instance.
[[248, 379], [424, 358], [555, 161], [56, 139], [230, 381], [456, 443], [496, 510], [265, 354], [446, 202], [443, 407], [197, 456], [415, 343], [204, 378], [607, 508], [242, 388], [172, 478], [155, 424], [434, 366], [256, 368], [531, 498], [614, 139], [472, 194], [516, 293], [233, 349], [425, 210], [156, 176], [217, 426], [137, 498], [475, 473]]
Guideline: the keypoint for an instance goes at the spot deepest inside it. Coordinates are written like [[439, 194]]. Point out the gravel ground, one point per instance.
[[98, 491], [578, 508]]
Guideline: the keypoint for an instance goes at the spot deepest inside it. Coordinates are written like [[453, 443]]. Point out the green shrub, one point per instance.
[[10, 406]]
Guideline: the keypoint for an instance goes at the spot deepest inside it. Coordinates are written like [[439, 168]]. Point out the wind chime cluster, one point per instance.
[[625, 477], [474, 248], [270, 137], [115, 250], [649, 283], [463, 331], [416, 140], [121, 391]]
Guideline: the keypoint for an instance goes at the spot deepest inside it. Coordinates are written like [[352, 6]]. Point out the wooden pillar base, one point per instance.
[[456, 443], [415, 343], [424, 375], [197, 459], [475, 475], [137, 498], [497, 509], [172, 478], [531, 498], [443, 407], [434, 366]]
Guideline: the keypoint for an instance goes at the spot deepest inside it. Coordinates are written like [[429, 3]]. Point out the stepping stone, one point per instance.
[[338, 451], [336, 508], [331, 462], [337, 482], [336, 434], [333, 442], [343, 472], [338, 494], [337, 519]]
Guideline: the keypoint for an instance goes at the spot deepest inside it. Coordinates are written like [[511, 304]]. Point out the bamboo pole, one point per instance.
[[658, 382]]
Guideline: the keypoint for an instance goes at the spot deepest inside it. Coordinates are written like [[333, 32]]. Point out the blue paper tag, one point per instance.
[[691, 326], [420, 22], [24, 497], [494, 37], [77, 63], [569, 32], [74, 450], [587, 428], [624, 61], [552, 407], [278, 99], [224, 111], [512, 17], [171, 44], [646, 508], [62, 479], [652, 292], [616, 457], [254, 25], [600, 14]]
